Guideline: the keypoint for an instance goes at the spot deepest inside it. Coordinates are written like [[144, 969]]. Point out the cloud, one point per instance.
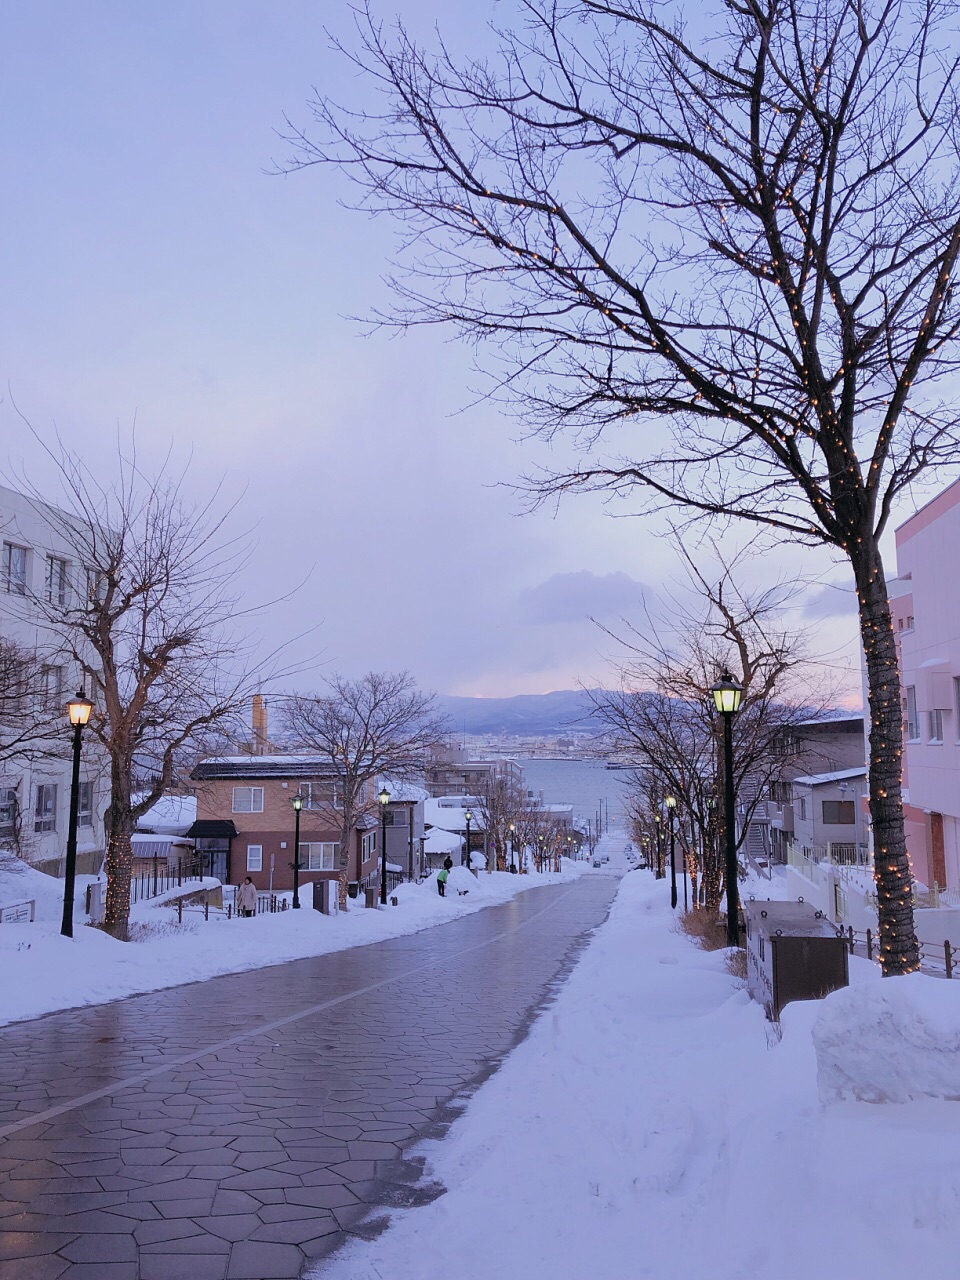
[[574, 597], [833, 600]]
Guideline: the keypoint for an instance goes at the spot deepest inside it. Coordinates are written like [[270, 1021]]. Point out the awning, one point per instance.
[[213, 829]]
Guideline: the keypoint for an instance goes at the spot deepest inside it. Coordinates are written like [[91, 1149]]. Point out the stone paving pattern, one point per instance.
[[260, 1151]]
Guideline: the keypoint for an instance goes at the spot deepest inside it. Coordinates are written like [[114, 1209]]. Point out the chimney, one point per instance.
[[259, 721]]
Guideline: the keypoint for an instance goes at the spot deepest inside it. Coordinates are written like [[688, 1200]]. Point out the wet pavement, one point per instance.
[[236, 1129]]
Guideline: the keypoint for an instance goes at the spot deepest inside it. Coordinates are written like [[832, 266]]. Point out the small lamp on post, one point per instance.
[[384, 799], [513, 846], [78, 713], [727, 694], [297, 803], [467, 817], [658, 822], [671, 803]]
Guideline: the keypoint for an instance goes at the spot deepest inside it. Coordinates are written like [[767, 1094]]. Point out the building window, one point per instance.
[[935, 725], [14, 569], [397, 817], [254, 857], [800, 805], [51, 686], [248, 799], [94, 586], [85, 797], [839, 813], [368, 845], [56, 584], [319, 855], [45, 814], [913, 723], [316, 795], [8, 811]]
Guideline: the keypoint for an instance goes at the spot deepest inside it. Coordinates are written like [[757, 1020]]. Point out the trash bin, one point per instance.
[[370, 896], [353, 890]]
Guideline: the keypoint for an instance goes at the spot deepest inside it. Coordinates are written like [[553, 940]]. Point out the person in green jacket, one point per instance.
[[442, 881]]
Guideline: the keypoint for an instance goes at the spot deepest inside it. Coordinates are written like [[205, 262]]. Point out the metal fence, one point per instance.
[[938, 958], [164, 876]]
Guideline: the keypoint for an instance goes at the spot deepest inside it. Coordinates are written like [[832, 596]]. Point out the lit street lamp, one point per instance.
[[513, 846], [659, 825], [671, 804], [384, 798], [78, 713], [297, 803], [468, 815], [726, 698]]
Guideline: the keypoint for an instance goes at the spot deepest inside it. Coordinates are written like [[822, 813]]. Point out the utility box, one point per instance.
[[325, 897], [793, 953]]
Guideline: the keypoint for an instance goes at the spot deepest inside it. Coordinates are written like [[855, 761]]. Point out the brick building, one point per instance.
[[245, 822]]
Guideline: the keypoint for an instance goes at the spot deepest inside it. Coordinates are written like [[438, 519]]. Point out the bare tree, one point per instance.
[[726, 267], [500, 805], [151, 625], [379, 726], [662, 718]]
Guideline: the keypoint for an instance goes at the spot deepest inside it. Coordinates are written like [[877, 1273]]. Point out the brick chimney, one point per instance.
[[259, 722]]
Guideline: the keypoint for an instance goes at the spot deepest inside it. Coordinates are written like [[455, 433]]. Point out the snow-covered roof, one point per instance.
[[408, 792], [171, 815], [821, 779], [439, 841], [276, 766], [830, 717], [450, 812]]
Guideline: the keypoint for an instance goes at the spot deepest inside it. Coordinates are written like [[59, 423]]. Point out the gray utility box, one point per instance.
[[793, 953], [325, 897]]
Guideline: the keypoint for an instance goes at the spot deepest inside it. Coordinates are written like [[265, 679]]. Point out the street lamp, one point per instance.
[[671, 804], [468, 815], [659, 825], [78, 713], [384, 798], [513, 846], [297, 803], [726, 698]]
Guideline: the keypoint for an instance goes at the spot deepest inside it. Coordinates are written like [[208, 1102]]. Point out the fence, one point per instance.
[[162, 877], [935, 957]]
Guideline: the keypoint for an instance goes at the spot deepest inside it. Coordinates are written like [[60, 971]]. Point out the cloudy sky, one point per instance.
[[153, 271]]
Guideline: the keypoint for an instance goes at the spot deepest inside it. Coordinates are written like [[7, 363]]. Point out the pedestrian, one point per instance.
[[442, 881], [448, 863], [247, 898]]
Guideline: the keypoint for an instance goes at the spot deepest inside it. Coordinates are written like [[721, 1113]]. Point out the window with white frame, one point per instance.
[[85, 799], [45, 811], [254, 857], [935, 725], [913, 720], [318, 794], [398, 817], [14, 569], [839, 812], [56, 583], [51, 685], [8, 810], [248, 799], [800, 804], [319, 855], [368, 845]]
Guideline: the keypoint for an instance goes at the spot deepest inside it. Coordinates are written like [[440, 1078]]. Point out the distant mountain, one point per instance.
[[560, 712]]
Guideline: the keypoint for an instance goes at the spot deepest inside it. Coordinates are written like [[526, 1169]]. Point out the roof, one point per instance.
[[292, 766], [404, 792], [439, 841], [213, 829], [831, 717], [171, 815], [840, 775]]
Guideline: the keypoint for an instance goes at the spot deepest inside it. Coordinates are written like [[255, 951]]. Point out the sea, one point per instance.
[[586, 784]]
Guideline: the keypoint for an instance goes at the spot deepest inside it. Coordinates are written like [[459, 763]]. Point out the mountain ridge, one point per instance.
[[561, 711]]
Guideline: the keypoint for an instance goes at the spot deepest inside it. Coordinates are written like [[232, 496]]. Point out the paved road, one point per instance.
[[236, 1128]]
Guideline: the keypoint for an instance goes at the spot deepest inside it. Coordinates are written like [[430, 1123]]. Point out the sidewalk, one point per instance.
[[654, 1127]]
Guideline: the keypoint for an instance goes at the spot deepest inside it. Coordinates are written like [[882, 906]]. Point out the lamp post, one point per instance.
[[727, 694], [659, 825], [384, 798], [78, 713], [297, 803], [513, 846], [671, 804], [468, 815]]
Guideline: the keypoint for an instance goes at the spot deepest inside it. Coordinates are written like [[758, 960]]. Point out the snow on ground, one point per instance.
[[654, 1126], [43, 971]]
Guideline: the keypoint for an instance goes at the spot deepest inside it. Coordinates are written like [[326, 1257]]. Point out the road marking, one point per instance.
[[266, 1029]]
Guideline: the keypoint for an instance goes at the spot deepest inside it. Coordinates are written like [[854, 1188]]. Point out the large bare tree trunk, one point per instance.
[[899, 952], [119, 859]]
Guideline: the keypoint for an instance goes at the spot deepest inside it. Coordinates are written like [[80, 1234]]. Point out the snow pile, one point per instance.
[[20, 882], [890, 1041], [43, 971], [649, 1128]]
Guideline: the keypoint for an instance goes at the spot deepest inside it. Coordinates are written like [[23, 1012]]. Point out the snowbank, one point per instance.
[[890, 1041], [43, 971], [652, 1126]]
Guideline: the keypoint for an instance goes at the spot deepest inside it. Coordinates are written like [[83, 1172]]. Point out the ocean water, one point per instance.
[[582, 783]]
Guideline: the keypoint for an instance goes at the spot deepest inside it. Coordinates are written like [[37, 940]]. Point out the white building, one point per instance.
[[36, 566]]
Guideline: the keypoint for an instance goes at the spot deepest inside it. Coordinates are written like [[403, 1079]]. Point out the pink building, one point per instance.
[[925, 603]]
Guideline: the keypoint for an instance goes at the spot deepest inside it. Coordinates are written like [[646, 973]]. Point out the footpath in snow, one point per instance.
[[43, 971], [654, 1125]]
